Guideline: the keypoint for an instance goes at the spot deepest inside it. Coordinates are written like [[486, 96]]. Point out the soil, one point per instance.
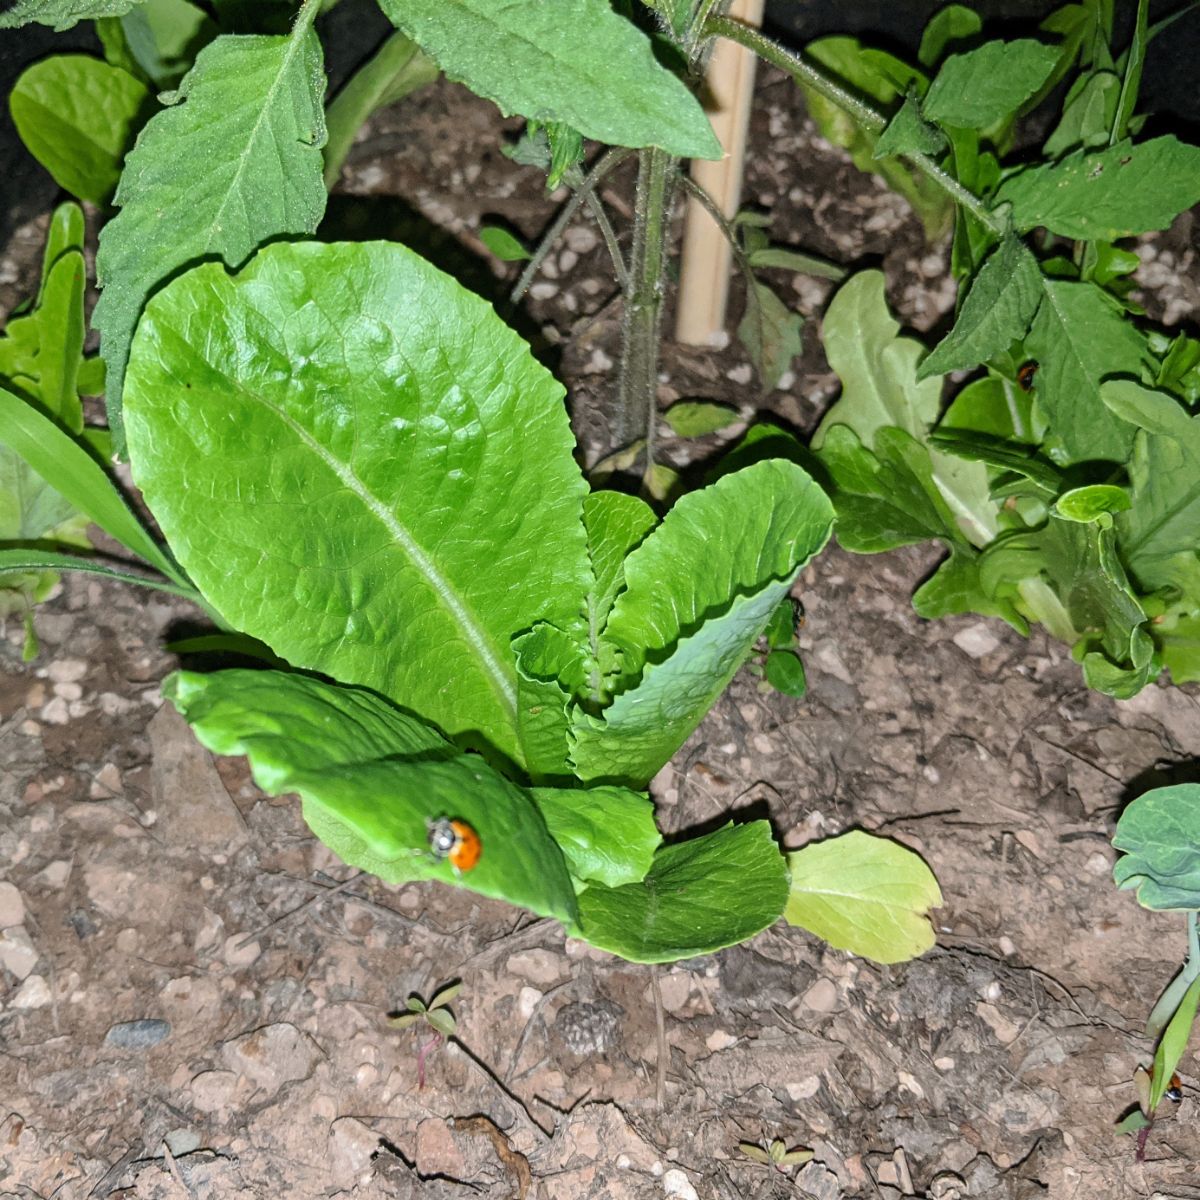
[[194, 992]]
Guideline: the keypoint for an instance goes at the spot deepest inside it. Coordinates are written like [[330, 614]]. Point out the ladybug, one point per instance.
[[1025, 375], [1174, 1091], [455, 841]]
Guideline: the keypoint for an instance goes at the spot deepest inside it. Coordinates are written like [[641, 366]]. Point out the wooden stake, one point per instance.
[[707, 259]]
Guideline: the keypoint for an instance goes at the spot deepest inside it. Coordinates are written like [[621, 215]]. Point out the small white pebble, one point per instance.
[[742, 373], [33, 993], [56, 712], [676, 1183], [544, 291]]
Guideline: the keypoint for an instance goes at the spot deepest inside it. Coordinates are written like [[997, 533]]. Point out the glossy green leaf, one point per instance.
[[1079, 336], [62, 14], [1173, 1044], [1159, 832], [577, 62], [979, 87], [362, 466], [682, 633], [234, 161], [1088, 503], [606, 834], [503, 244], [695, 418], [997, 311], [552, 665], [699, 896], [370, 777], [864, 894], [1117, 192], [77, 116], [785, 673]]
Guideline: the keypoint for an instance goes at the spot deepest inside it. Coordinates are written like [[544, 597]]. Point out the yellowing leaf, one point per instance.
[[864, 894]]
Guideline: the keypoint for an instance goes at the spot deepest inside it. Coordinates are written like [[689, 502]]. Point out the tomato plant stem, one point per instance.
[[637, 394], [873, 122]]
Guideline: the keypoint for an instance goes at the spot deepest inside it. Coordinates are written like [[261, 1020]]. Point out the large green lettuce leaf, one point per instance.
[[361, 465], [573, 61], [234, 161], [370, 777]]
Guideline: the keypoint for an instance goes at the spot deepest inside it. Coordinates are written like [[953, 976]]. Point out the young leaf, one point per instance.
[[606, 834], [62, 14], [504, 245], [996, 312], [1087, 115], [1126, 189], [699, 896], [370, 777], [864, 894], [909, 133], [80, 480], [695, 418], [1079, 336], [397, 538], [234, 161], [695, 629], [164, 37], [785, 673], [954, 23], [551, 667], [1159, 832], [770, 331], [445, 996], [442, 1021], [615, 525], [577, 62], [1173, 1044], [980, 87], [77, 116]]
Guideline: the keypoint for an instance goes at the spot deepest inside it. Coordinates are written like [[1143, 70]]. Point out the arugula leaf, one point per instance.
[[62, 14], [979, 87], [996, 312], [361, 465], [576, 62], [77, 116], [235, 160], [370, 777], [1079, 336], [698, 897], [1117, 192], [864, 894]]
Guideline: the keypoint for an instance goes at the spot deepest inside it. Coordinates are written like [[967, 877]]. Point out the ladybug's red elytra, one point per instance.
[[1025, 375], [454, 841]]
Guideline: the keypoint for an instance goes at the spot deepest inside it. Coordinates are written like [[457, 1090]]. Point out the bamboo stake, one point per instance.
[[707, 259]]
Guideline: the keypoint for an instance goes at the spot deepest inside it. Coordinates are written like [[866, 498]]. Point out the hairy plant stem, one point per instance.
[[584, 193], [637, 387], [866, 116]]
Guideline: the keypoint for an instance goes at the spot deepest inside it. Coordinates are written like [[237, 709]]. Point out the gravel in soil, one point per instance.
[[194, 993]]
